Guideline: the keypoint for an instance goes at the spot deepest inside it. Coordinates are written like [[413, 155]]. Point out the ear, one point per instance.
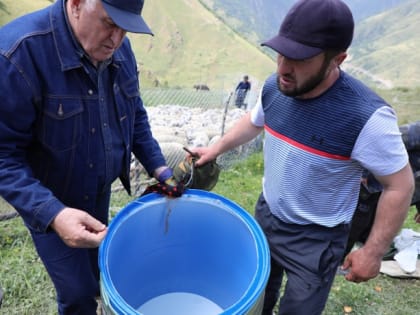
[[74, 7], [338, 60]]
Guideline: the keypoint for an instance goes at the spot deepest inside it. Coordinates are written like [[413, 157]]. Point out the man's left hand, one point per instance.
[[167, 185], [361, 266]]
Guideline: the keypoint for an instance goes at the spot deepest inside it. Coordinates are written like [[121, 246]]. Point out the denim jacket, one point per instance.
[[49, 138]]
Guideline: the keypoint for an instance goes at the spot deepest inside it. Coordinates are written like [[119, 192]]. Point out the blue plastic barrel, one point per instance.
[[197, 254]]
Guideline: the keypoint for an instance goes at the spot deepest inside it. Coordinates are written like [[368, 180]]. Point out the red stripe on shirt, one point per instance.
[[305, 147]]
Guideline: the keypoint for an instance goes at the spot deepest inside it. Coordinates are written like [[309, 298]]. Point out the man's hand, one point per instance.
[[171, 188], [78, 229], [203, 155], [167, 184], [361, 265]]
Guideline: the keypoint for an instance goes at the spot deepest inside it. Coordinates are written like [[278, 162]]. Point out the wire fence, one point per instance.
[[199, 117], [191, 118], [178, 118]]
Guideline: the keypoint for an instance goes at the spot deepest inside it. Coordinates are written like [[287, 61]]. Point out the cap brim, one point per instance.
[[128, 21], [291, 49]]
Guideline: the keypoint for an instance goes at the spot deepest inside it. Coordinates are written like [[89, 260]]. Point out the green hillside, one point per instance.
[[386, 45], [194, 46], [10, 9], [383, 52], [190, 46]]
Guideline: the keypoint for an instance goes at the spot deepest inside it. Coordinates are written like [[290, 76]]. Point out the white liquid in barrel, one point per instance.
[[180, 303]]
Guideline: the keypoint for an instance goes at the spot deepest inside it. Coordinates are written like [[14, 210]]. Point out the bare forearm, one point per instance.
[[242, 132], [390, 215], [392, 210], [364, 264]]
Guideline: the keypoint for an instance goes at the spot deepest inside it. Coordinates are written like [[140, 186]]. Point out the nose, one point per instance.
[[117, 35], [284, 64]]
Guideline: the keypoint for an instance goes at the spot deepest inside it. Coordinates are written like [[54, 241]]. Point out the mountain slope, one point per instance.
[[10, 9], [216, 42], [190, 46], [260, 19], [387, 45], [254, 19], [384, 50]]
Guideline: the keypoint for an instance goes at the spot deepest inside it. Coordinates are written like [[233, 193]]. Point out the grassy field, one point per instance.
[[28, 290]]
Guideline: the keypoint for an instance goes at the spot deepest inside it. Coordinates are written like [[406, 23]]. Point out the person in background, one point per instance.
[[70, 117], [364, 215], [322, 129], [241, 91]]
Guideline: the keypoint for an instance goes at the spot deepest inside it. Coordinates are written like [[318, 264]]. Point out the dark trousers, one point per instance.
[[308, 255], [73, 271]]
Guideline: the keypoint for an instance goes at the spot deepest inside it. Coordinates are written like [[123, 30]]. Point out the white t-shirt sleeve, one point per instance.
[[257, 113], [379, 147]]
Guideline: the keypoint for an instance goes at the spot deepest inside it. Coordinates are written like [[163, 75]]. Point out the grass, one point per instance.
[[27, 287], [28, 290]]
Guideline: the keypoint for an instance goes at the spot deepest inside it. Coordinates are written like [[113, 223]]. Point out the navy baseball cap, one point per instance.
[[127, 15], [313, 26]]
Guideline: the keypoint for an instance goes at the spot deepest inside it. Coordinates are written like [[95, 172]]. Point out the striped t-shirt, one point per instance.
[[315, 149]]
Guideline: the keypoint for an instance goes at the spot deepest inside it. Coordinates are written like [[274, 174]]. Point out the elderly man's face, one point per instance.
[[94, 29]]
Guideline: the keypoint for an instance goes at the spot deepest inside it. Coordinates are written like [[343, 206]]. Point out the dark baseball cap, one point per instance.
[[313, 26], [127, 15]]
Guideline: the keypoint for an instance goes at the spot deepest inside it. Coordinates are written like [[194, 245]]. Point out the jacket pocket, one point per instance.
[[127, 98], [130, 88], [61, 128]]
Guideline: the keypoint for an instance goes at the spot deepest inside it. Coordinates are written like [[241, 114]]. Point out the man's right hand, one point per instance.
[[203, 155], [361, 265], [78, 229]]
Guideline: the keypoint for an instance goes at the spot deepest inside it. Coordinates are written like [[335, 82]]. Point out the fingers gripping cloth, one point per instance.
[[167, 185], [199, 177]]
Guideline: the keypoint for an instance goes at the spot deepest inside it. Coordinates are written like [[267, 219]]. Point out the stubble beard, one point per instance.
[[308, 85]]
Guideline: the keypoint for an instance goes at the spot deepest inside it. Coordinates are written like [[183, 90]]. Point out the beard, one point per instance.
[[308, 85]]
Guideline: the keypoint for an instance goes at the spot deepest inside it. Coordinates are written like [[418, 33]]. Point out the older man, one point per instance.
[[70, 116]]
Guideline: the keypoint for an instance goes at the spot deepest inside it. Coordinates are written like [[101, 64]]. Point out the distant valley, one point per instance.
[[216, 42], [384, 50]]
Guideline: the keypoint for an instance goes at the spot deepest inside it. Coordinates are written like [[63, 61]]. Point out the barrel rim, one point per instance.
[[250, 296]]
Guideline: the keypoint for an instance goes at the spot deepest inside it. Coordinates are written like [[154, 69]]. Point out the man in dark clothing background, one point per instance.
[[241, 91]]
